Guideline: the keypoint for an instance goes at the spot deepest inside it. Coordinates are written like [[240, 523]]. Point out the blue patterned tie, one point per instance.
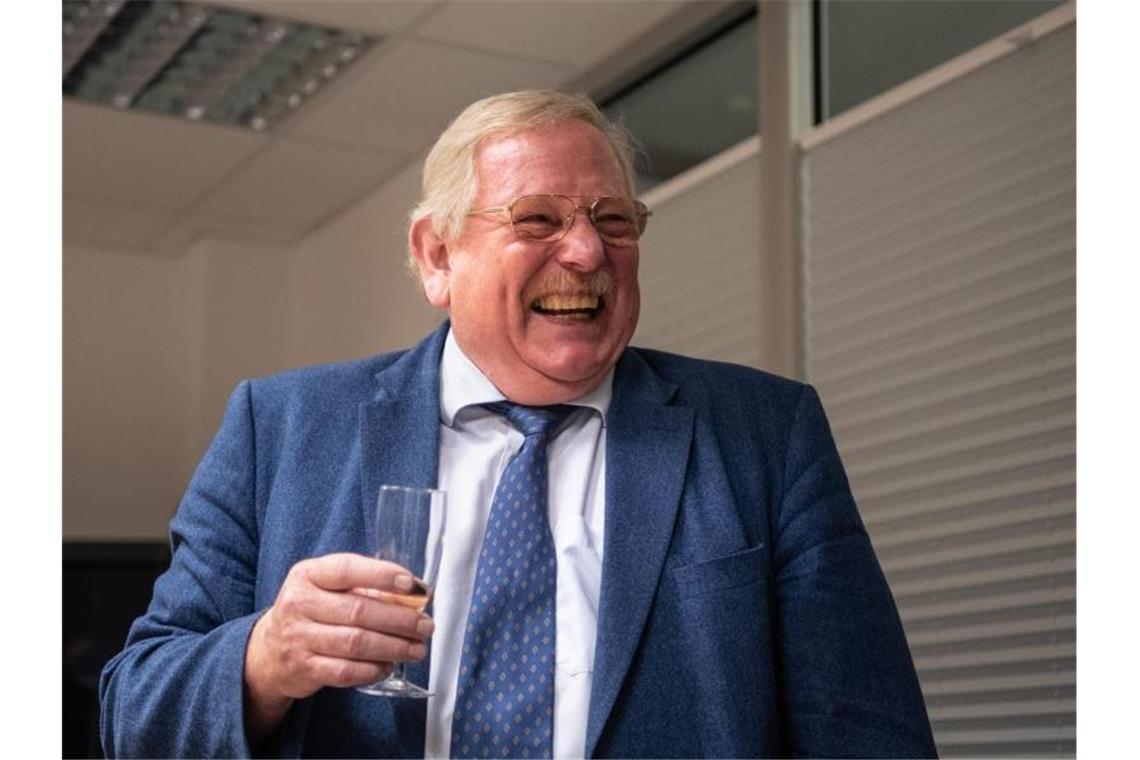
[[504, 706]]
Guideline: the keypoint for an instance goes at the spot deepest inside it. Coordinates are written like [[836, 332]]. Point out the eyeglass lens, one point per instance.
[[548, 217]]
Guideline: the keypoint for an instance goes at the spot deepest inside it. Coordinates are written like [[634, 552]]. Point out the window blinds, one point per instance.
[[939, 293], [700, 276]]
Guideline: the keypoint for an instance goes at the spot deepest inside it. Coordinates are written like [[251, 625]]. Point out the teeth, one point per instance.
[[566, 303]]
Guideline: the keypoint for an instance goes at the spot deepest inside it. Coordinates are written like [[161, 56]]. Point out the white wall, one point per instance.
[[348, 292], [242, 324], [153, 346], [128, 320]]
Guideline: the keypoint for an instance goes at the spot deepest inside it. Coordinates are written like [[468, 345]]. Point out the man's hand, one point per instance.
[[328, 627]]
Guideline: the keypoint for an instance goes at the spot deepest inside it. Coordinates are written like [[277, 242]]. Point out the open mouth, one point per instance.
[[574, 307]]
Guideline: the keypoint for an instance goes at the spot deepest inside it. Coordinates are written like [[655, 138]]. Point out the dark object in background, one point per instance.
[[105, 587]]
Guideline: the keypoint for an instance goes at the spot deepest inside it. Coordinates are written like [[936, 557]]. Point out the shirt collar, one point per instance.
[[462, 384]]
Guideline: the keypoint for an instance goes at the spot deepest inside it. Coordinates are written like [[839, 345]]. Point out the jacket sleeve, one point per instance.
[[848, 684], [176, 688]]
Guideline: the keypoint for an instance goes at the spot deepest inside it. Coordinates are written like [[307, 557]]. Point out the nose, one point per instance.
[[581, 248]]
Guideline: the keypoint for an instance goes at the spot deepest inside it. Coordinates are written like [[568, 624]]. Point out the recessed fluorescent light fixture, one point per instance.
[[199, 62]]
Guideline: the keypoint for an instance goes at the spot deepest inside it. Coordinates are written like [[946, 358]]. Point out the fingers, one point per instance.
[[356, 610], [332, 671], [375, 593], [359, 644], [332, 625], [361, 611], [344, 571]]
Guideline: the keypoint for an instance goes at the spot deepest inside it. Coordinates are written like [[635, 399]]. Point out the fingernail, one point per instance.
[[404, 582], [417, 651], [425, 626]]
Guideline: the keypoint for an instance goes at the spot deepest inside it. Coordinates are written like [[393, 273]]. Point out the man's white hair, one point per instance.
[[450, 182]]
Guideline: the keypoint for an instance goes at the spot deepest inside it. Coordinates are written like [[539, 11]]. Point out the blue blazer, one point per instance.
[[742, 610]]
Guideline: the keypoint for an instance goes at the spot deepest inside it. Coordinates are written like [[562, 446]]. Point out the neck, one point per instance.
[[542, 390], [527, 386]]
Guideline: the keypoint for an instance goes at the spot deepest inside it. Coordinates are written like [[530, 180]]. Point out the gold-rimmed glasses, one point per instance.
[[547, 218]]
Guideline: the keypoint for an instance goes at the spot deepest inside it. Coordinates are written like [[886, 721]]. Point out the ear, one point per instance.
[[431, 256]]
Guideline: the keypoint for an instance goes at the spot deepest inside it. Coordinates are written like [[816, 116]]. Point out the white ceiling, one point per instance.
[[154, 183]]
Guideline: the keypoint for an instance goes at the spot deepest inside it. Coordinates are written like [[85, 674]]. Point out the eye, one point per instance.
[[617, 221], [538, 217], [538, 226], [614, 219], [614, 210]]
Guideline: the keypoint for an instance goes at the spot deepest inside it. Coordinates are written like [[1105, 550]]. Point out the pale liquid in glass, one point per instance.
[[417, 598]]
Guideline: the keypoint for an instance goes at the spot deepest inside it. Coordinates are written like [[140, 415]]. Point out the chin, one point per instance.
[[576, 364]]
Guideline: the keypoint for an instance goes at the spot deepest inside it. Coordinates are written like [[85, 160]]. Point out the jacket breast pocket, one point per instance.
[[737, 570], [717, 621]]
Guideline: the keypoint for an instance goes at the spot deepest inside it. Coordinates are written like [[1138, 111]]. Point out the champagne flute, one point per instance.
[[409, 532]]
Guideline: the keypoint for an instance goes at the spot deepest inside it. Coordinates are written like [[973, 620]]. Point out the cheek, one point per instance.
[[493, 297], [475, 282], [627, 278], [632, 264], [631, 295]]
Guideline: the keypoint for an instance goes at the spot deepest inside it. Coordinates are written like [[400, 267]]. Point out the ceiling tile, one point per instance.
[[145, 161], [351, 15], [561, 31], [108, 225], [190, 228], [402, 97], [294, 185]]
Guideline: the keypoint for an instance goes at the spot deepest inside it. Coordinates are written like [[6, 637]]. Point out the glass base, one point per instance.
[[395, 687]]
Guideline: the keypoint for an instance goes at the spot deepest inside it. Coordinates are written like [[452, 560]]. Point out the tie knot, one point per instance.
[[532, 420]]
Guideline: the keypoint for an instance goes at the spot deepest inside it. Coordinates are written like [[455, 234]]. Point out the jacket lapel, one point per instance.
[[399, 439], [647, 448], [399, 427]]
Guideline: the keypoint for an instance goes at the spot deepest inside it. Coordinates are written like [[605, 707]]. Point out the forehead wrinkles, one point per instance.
[[556, 159], [505, 169]]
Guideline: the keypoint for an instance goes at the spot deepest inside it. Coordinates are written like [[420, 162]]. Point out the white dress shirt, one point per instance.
[[474, 448]]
